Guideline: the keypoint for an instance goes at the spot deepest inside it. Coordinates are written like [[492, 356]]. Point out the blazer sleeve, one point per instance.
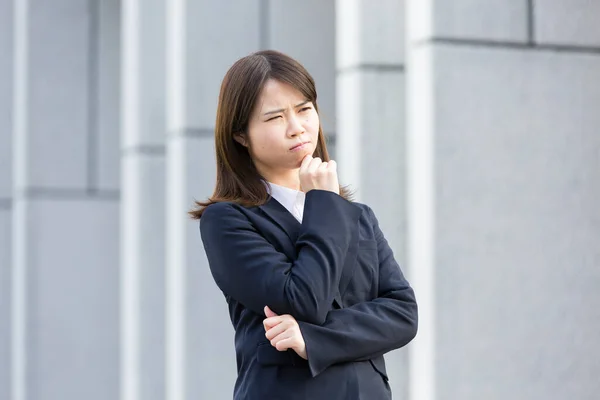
[[248, 268], [370, 329]]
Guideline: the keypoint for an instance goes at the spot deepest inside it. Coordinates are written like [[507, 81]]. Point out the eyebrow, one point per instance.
[[283, 109]]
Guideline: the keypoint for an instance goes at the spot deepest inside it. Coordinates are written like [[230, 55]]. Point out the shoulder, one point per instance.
[[216, 209], [367, 212], [368, 218], [221, 213]]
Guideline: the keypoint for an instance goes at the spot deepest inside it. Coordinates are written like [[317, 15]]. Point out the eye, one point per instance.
[[305, 109], [275, 117]]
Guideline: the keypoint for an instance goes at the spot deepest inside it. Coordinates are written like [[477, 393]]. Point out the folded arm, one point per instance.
[[370, 329], [248, 268]]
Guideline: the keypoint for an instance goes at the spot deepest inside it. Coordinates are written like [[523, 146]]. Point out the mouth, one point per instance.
[[299, 146]]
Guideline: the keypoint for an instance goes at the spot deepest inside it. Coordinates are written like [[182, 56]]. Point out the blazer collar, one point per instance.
[[290, 225], [282, 217]]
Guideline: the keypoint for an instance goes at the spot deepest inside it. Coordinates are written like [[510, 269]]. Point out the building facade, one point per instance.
[[471, 128]]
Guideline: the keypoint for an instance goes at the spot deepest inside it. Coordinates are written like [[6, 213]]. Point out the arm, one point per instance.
[[247, 267], [370, 329]]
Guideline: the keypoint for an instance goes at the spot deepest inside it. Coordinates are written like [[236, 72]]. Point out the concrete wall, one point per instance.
[[201, 365], [371, 140], [65, 213], [471, 128], [6, 50], [504, 159]]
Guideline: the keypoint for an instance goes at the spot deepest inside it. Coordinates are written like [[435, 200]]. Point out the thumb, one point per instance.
[[269, 313]]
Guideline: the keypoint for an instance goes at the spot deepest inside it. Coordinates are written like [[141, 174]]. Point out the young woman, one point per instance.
[[314, 293]]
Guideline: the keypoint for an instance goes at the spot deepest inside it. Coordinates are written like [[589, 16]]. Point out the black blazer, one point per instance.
[[334, 273]]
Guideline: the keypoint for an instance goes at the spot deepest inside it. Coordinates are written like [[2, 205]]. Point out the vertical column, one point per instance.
[[105, 174], [200, 353], [64, 225], [420, 200], [6, 79], [370, 124], [314, 48], [503, 145], [143, 200]]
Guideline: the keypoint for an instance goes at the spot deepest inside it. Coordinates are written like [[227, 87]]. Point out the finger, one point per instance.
[[275, 331], [332, 165], [269, 313], [268, 323], [305, 162], [314, 164], [282, 337], [285, 344], [323, 166]]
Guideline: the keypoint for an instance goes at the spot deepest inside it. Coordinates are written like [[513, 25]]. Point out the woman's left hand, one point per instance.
[[284, 333]]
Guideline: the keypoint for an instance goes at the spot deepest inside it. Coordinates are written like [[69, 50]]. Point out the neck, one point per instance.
[[289, 179]]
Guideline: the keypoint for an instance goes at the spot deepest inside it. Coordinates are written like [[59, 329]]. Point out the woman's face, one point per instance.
[[282, 130]]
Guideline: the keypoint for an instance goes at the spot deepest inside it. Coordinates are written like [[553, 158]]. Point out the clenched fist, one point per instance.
[[316, 174], [284, 333]]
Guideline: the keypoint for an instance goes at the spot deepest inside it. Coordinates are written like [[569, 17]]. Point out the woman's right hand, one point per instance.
[[284, 332], [316, 174]]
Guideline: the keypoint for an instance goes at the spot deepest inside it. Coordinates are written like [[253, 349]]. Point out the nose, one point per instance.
[[295, 127]]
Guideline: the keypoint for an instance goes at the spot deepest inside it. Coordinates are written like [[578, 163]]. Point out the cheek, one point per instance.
[[263, 140], [313, 123]]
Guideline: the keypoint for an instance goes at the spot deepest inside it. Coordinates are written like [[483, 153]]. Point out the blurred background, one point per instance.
[[471, 127]]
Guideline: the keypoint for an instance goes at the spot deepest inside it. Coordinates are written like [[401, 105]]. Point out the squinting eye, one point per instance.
[[305, 108], [271, 119]]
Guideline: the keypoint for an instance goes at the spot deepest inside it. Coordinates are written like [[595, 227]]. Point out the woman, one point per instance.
[[314, 293]]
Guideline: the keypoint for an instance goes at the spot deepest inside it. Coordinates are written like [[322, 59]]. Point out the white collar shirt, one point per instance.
[[292, 200]]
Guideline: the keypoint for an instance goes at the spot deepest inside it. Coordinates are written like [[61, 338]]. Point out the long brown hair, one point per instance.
[[237, 178]]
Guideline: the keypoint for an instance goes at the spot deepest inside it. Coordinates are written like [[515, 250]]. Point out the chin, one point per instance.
[[307, 152], [297, 159]]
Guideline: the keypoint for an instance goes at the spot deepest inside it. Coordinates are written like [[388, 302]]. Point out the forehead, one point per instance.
[[279, 94]]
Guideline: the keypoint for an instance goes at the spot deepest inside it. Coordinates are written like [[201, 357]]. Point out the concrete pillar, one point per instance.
[[6, 67], [143, 200], [371, 125], [314, 48], [64, 223], [504, 223], [204, 40]]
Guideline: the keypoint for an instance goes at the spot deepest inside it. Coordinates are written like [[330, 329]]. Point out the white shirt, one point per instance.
[[292, 200]]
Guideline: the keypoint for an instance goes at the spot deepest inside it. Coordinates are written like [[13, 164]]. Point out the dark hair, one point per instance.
[[237, 178]]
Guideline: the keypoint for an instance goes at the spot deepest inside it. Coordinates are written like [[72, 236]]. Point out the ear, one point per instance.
[[240, 138]]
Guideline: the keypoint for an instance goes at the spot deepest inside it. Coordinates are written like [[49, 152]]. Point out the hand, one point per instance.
[[315, 174], [284, 332]]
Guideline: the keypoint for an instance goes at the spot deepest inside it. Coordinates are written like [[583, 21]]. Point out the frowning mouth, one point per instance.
[[299, 146]]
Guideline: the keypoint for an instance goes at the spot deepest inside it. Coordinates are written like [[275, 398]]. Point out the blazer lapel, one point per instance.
[[290, 225], [286, 221]]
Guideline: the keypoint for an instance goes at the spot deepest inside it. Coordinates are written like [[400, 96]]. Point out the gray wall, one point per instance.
[[199, 366], [504, 160], [6, 59], [65, 211], [470, 127], [371, 95]]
